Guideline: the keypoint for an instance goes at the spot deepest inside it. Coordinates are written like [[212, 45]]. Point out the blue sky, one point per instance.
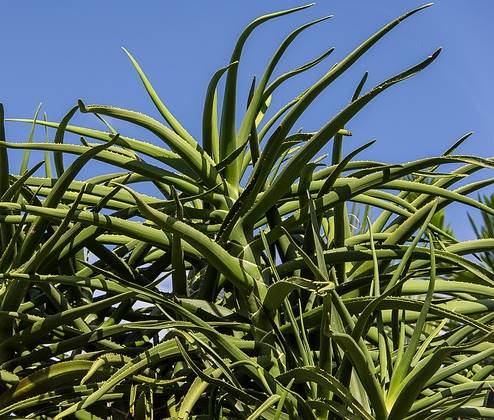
[[55, 52]]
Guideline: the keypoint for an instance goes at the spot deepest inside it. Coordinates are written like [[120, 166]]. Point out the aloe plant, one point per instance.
[[266, 281]]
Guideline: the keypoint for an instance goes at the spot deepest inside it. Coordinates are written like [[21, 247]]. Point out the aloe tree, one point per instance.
[[279, 305]]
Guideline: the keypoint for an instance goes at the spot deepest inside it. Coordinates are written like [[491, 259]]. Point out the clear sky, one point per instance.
[[55, 52]]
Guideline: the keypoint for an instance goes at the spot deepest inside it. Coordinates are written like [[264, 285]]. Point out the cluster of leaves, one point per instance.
[[278, 306]]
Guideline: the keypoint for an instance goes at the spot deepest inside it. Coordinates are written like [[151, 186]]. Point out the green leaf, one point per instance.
[[198, 161], [278, 291], [160, 106], [258, 99], [210, 133], [25, 156], [165, 156], [237, 271], [292, 169], [179, 275], [273, 399], [59, 136], [6, 232], [403, 367], [228, 141], [366, 376]]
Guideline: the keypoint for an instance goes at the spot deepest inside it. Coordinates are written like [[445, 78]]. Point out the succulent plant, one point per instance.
[[265, 281]]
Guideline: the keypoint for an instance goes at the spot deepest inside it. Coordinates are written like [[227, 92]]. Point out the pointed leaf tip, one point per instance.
[[127, 52], [412, 12], [81, 105], [322, 19], [303, 7], [436, 53], [425, 6]]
